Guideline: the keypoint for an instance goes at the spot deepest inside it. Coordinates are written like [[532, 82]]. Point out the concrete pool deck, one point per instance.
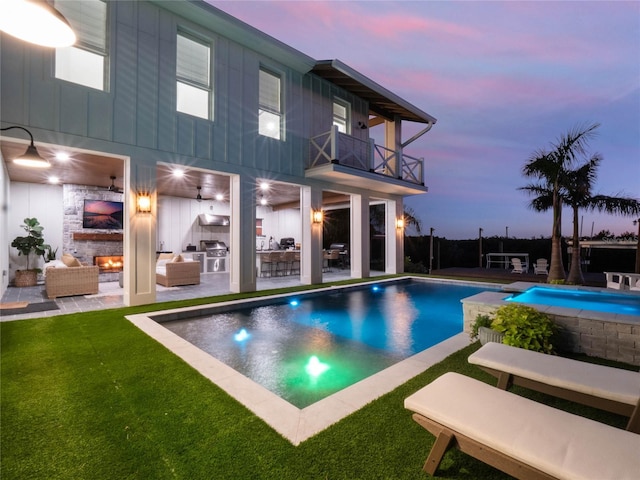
[[294, 424]]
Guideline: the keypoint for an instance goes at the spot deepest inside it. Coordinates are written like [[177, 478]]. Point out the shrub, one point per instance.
[[524, 327], [480, 321]]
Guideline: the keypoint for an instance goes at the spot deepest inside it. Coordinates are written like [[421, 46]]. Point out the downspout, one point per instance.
[[418, 135]]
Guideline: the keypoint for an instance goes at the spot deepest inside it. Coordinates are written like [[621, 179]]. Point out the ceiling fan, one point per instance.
[[112, 187], [199, 196]]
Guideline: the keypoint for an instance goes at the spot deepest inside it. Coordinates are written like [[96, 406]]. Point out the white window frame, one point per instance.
[[270, 118], [87, 61], [343, 123], [194, 92]]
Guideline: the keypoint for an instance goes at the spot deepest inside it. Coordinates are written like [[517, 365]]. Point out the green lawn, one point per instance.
[[88, 396]]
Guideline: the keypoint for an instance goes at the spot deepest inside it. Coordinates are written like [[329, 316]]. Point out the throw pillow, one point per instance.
[[70, 261]]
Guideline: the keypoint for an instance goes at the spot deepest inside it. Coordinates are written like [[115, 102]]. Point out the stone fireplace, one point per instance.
[[109, 263]]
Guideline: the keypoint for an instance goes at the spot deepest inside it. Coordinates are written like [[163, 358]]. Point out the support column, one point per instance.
[[311, 245], [394, 237], [139, 247], [360, 248], [243, 234], [393, 141]]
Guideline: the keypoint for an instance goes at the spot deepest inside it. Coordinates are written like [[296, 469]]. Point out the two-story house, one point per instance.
[[207, 115]]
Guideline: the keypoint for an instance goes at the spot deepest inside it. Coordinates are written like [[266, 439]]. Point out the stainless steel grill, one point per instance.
[[214, 248]]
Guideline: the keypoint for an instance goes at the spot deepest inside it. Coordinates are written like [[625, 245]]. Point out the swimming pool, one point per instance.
[[601, 301], [305, 348]]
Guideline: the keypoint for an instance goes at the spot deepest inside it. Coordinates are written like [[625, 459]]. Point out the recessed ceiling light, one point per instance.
[[53, 179], [264, 186], [179, 173], [219, 197], [62, 156]]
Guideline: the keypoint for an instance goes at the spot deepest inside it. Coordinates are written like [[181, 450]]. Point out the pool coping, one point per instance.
[[294, 424]]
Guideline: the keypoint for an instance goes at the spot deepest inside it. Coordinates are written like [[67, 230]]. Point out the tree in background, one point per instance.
[[549, 168], [576, 192]]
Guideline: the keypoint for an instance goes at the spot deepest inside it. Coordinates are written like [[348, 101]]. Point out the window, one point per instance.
[[341, 113], [85, 63], [270, 110], [193, 71]]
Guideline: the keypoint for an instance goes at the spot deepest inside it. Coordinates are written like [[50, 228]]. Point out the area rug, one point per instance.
[[30, 308], [108, 289]]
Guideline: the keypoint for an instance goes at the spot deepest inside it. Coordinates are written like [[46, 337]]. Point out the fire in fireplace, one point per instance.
[[109, 263]]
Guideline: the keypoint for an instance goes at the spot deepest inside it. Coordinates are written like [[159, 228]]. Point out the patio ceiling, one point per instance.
[[84, 168]]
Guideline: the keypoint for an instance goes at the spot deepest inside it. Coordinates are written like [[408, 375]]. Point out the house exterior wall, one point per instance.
[[136, 117]]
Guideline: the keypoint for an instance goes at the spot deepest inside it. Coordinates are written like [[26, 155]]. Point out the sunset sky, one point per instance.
[[503, 78]]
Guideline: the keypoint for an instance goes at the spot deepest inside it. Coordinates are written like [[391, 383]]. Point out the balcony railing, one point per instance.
[[336, 147]]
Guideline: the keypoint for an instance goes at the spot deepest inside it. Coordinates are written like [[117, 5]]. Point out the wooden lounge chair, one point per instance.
[[516, 263], [541, 267], [607, 388], [523, 438]]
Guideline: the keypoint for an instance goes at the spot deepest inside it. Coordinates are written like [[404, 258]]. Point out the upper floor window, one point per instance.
[[86, 62], [270, 109], [341, 113], [193, 72]]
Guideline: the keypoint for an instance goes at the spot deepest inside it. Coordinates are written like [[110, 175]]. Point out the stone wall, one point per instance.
[[84, 249]]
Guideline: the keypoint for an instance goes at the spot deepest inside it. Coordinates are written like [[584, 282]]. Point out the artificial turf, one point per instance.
[[89, 396]]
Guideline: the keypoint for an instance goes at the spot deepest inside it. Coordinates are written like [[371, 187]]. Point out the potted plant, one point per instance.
[[482, 329], [32, 242], [524, 327], [50, 254]]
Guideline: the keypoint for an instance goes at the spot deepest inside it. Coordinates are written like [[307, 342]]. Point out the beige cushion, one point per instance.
[[605, 382], [165, 256], [70, 261], [177, 259], [561, 444]]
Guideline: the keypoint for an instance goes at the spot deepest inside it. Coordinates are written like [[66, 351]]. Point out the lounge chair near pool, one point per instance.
[[517, 265], [634, 281], [523, 438], [607, 388], [541, 267], [615, 280]]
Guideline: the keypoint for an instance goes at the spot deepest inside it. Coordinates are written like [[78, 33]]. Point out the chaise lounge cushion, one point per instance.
[[598, 380], [561, 444]]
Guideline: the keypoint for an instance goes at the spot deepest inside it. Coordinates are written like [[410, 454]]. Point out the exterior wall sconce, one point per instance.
[[400, 223], [30, 158], [36, 22], [143, 203], [317, 216]]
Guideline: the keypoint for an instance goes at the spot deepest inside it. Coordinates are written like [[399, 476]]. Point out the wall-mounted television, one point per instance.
[[102, 214]]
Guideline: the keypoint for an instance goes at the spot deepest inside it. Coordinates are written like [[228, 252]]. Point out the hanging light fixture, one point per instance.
[[30, 158], [35, 21]]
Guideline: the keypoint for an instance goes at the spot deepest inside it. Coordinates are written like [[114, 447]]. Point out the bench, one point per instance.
[[523, 438], [607, 388]]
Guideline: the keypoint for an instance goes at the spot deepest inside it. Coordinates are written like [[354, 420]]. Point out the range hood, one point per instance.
[[208, 220]]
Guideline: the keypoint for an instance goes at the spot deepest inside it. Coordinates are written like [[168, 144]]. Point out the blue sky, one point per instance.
[[503, 79]]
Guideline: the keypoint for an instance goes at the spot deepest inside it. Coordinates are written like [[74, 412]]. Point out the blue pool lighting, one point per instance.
[[241, 336], [315, 367], [294, 303], [375, 288]]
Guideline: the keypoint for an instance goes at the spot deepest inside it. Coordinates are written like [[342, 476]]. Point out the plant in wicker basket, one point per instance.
[[32, 242]]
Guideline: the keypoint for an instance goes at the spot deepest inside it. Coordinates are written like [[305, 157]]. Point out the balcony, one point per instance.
[[341, 158]]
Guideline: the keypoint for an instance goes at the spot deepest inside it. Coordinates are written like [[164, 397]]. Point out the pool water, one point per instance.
[[306, 348], [628, 304]]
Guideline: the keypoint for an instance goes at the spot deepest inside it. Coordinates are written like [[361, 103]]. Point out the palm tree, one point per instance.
[[549, 168], [577, 194]]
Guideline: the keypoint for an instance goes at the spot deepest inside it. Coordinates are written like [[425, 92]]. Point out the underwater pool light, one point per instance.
[[241, 336], [375, 288], [315, 367], [294, 303]]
